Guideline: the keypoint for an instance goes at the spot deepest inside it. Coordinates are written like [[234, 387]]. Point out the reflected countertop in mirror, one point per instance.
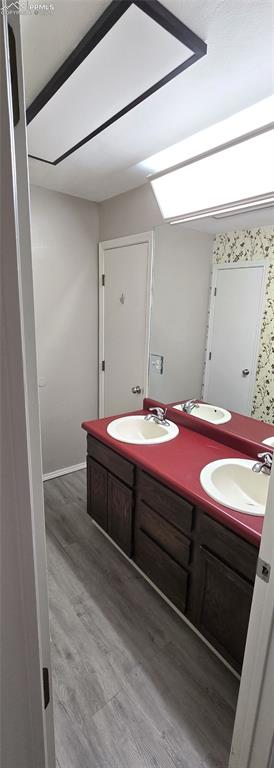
[[241, 432]]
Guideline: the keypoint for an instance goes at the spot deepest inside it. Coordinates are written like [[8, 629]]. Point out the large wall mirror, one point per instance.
[[212, 319]]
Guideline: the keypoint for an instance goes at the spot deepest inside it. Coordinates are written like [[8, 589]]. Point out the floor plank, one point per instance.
[[134, 687]]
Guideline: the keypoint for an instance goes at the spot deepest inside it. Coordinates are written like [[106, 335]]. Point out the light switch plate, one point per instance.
[[157, 363]]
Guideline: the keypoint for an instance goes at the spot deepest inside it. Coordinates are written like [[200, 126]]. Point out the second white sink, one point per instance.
[[233, 483], [211, 413], [138, 431], [269, 441]]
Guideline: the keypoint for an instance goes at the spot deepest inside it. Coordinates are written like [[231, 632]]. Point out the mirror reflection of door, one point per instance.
[[236, 326], [234, 333], [125, 297]]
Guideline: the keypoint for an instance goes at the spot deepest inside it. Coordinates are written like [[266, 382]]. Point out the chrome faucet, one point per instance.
[[189, 405], [264, 465], [158, 415]]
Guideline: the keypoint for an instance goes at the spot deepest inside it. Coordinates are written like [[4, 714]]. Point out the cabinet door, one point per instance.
[[120, 502], [97, 493], [224, 602]]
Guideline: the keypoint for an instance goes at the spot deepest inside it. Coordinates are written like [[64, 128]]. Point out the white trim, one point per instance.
[[27, 647], [239, 265], [166, 599], [101, 388], [64, 471], [120, 242]]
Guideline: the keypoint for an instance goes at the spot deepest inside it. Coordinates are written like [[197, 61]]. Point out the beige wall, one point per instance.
[[130, 213], [65, 233]]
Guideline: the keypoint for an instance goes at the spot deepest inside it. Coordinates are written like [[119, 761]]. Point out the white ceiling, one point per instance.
[[235, 73]]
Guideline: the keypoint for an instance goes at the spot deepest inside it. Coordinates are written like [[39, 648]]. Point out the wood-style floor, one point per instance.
[[133, 686]]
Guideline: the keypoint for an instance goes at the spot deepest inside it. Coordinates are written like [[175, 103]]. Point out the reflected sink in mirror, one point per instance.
[[139, 431], [211, 413], [269, 441], [233, 483]]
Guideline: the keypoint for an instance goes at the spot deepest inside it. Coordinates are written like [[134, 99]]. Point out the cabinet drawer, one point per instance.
[[233, 550], [161, 569], [172, 541], [167, 503], [111, 460]]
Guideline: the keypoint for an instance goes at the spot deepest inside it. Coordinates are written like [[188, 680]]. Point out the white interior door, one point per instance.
[[125, 292], [234, 332]]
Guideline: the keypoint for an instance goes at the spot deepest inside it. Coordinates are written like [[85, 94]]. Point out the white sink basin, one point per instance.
[[211, 413], [269, 441], [233, 483], [136, 430]]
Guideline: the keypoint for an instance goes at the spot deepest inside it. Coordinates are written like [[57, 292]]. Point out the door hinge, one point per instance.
[[210, 356], [103, 280], [263, 570], [46, 687], [103, 365], [215, 291]]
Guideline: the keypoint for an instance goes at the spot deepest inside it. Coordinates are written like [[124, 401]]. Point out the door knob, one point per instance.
[[245, 372], [136, 390]]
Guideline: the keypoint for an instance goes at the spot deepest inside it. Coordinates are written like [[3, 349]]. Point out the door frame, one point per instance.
[[22, 511], [105, 245], [216, 269]]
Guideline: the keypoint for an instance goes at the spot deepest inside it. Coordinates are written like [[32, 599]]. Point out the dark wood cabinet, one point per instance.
[[165, 572], [163, 533], [120, 503], [165, 502], [116, 464], [223, 608], [222, 586], [109, 499], [97, 493], [161, 550], [205, 569]]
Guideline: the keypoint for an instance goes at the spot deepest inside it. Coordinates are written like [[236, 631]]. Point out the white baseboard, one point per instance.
[[64, 471]]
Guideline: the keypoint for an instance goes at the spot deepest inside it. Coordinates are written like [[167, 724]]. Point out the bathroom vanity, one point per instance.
[[199, 554]]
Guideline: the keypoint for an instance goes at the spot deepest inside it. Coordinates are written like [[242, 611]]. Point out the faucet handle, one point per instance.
[[160, 412], [267, 458]]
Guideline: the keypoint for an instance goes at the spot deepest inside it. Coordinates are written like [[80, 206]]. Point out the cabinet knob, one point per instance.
[[245, 372], [136, 390]]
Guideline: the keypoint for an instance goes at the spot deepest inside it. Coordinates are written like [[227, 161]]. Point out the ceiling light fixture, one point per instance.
[[232, 176], [249, 119], [253, 205]]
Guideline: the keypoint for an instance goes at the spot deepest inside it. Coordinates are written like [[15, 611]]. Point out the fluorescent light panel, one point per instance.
[[240, 123], [240, 172], [254, 205]]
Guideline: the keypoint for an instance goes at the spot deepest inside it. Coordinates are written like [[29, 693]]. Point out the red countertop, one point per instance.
[[178, 464]]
